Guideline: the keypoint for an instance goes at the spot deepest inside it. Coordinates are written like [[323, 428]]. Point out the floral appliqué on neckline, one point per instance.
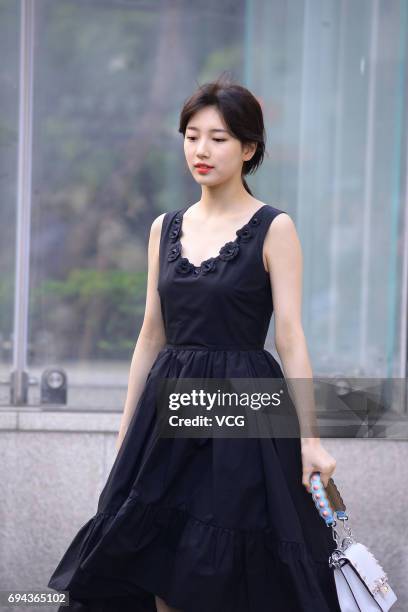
[[227, 252]]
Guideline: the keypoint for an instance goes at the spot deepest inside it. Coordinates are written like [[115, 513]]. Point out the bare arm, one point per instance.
[[152, 335], [284, 260]]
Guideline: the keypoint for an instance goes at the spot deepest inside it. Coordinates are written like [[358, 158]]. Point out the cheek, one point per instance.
[[231, 155], [231, 160], [187, 151]]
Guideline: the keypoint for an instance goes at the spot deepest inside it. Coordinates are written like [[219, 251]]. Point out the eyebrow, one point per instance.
[[192, 127]]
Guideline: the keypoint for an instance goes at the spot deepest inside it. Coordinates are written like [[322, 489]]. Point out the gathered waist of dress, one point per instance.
[[214, 347]]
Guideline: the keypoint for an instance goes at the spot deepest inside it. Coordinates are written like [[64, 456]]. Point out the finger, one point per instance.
[[328, 474], [306, 480], [325, 479]]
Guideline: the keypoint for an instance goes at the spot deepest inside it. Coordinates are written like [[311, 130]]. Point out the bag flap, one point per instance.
[[366, 566]]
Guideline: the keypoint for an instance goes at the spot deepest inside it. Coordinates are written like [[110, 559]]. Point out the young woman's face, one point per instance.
[[208, 141]]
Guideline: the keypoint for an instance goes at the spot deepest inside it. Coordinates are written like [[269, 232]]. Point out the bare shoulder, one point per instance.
[[157, 223], [283, 221], [281, 227], [281, 243], [156, 227]]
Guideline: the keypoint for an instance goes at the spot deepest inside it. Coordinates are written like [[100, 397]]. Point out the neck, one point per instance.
[[228, 199]]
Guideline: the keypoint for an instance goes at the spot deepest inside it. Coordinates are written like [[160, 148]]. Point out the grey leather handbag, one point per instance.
[[361, 583]]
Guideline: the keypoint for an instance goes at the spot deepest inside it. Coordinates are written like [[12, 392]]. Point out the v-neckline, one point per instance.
[[214, 257]]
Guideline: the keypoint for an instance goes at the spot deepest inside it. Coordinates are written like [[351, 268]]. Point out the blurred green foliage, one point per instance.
[[118, 298], [110, 80]]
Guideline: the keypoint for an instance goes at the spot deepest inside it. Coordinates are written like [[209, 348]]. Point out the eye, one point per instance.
[[216, 139]]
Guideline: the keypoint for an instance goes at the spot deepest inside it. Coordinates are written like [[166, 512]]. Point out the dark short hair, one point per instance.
[[240, 110]]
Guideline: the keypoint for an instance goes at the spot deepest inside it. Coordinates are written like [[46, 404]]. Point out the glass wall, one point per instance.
[[333, 78], [110, 77]]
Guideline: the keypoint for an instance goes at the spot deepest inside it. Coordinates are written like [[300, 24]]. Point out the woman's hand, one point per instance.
[[316, 459]]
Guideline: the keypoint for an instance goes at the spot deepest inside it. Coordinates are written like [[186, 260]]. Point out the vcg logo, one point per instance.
[[230, 420]]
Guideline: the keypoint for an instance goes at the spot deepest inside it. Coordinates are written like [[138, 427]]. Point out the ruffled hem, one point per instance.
[[120, 560]]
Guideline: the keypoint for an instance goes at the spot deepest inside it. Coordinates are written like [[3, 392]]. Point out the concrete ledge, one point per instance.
[[39, 420], [337, 426]]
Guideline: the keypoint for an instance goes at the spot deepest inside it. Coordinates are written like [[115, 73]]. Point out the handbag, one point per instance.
[[361, 583]]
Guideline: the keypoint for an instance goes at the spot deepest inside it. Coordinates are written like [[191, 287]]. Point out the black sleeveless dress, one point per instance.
[[207, 524]]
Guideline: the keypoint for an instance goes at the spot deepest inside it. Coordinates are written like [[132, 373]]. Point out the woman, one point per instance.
[[212, 524]]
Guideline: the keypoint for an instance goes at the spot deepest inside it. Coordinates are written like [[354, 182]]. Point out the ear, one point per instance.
[[248, 150]]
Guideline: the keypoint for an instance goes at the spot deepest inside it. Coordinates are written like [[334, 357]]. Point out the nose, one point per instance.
[[202, 148]]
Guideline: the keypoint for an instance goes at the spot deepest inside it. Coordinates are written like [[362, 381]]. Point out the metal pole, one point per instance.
[[19, 376], [403, 361]]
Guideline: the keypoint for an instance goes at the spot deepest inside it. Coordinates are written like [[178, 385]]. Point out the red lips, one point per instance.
[[202, 166]]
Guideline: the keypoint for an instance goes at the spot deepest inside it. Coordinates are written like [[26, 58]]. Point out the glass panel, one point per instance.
[[332, 77], [111, 78]]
